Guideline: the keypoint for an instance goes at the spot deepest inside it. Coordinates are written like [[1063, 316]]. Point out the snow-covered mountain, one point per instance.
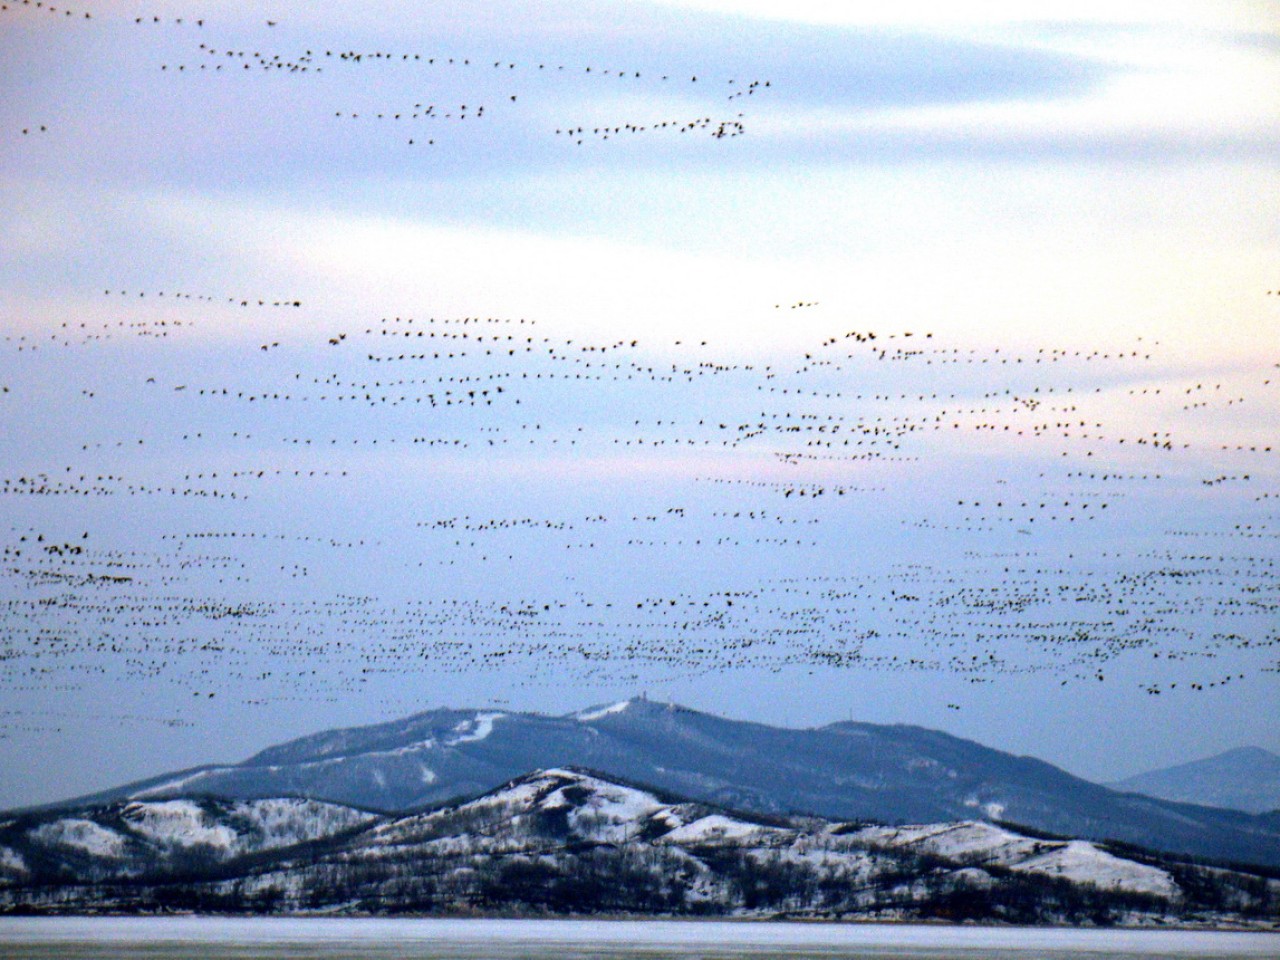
[[1244, 779], [890, 774], [570, 841]]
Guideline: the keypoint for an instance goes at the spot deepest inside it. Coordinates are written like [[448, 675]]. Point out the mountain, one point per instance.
[[846, 771], [567, 841], [1245, 779]]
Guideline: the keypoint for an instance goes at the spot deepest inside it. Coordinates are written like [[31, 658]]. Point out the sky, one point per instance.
[[911, 363]]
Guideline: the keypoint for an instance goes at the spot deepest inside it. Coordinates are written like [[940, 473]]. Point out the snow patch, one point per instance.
[[173, 786], [428, 744], [974, 877], [282, 822], [12, 860], [179, 823], [469, 731], [610, 813], [1082, 862], [1077, 860], [83, 835], [991, 808], [968, 839], [712, 828], [243, 826], [587, 716]]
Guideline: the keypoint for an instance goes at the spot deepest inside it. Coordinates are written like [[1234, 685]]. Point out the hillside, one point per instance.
[[845, 771], [572, 842]]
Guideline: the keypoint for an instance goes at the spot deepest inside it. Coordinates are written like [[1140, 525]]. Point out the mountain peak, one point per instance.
[[1246, 778], [1250, 755]]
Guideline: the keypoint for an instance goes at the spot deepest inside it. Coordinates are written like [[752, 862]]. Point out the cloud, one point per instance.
[[941, 15]]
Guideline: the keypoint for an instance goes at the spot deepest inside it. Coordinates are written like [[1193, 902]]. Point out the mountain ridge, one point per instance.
[[846, 770], [1244, 778], [568, 841]]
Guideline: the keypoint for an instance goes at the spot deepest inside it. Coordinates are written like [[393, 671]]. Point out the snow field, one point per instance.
[[1077, 860], [180, 823], [83, 835]]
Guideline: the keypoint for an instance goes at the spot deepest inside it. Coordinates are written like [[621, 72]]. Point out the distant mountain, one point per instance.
[[1245, 779], [570, 842], [846, 771]]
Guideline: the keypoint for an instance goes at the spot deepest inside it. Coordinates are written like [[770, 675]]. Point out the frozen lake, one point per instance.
[[197, 938]]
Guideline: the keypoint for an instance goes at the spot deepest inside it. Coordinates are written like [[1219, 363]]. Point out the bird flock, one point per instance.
[[269, 612], [314, 513]]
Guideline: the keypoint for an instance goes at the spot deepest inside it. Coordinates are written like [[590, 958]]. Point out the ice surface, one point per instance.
[[677, 939]]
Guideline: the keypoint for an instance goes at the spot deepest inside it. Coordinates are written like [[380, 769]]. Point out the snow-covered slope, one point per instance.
[[572, 805], [138, 838], [985, 844], [571, 841]]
